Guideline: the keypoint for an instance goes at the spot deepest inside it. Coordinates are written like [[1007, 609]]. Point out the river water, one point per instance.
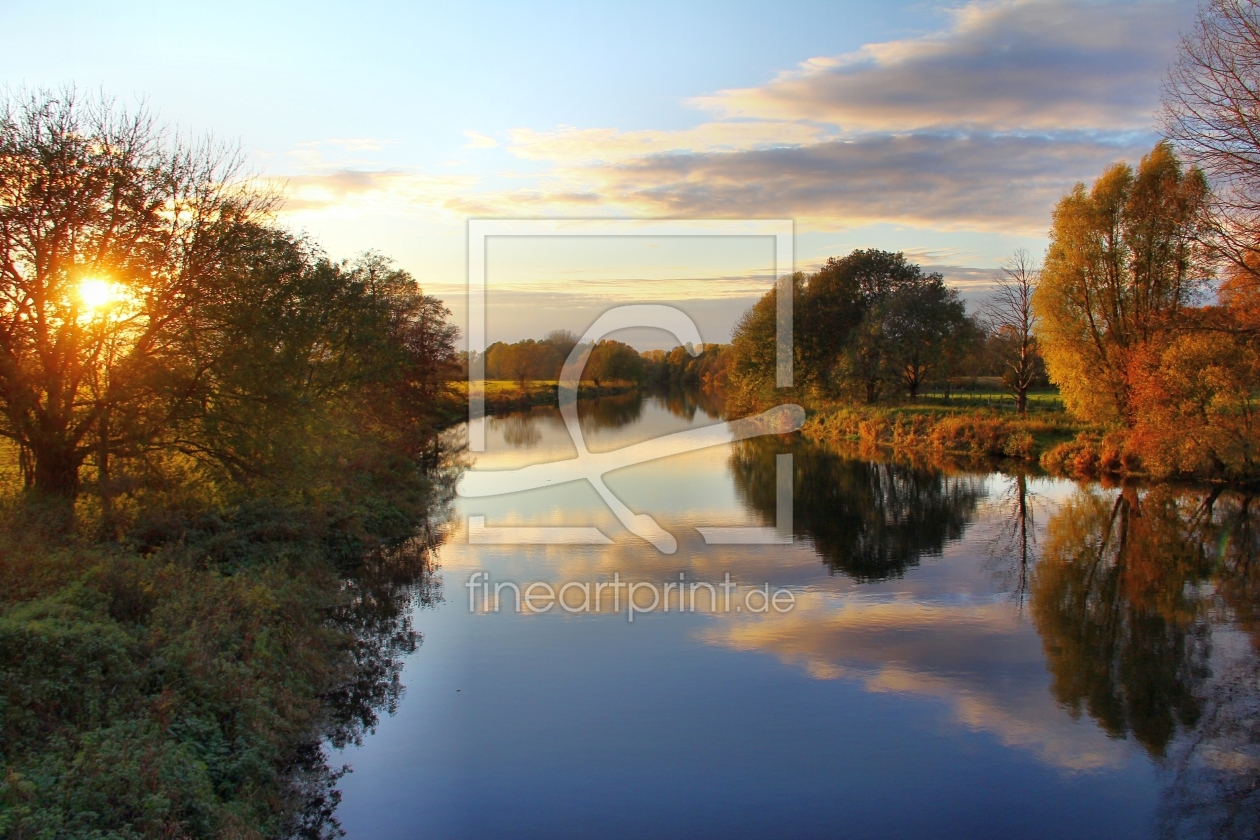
[[949, 654]]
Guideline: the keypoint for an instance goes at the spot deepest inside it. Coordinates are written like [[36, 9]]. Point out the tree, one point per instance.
[[108, 230], [754, 352], [1123, 268], [920, 319], [1212, 111], [1013, 321], [614, 361], [521, 362], [834, 302]]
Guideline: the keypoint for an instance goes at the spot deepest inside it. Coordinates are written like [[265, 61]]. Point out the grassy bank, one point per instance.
[[961, 427], [504, 396], [182, 679]]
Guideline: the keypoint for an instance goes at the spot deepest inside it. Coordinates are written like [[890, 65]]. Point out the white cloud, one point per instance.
[[477, 140]]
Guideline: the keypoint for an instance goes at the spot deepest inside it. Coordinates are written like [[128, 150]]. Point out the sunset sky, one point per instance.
[[944, 130]]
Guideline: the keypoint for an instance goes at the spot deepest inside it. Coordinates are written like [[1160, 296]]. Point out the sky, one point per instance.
[[944, 130]]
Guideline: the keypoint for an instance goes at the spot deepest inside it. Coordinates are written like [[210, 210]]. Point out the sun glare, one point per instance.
[[96, 293]]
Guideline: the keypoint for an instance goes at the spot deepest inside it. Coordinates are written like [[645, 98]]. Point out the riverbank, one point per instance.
[[503, 396], [1050, 439], [182, 677]]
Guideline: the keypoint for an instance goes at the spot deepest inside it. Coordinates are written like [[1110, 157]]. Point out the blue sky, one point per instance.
[[945, 130]]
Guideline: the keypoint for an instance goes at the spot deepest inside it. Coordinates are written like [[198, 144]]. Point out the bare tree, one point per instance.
[[1009, 315], [1212, 111]]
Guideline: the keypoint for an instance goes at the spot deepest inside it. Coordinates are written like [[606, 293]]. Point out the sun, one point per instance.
[[96, 293]]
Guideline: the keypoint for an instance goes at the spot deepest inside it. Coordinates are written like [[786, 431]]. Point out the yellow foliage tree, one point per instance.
[[1122, 270]]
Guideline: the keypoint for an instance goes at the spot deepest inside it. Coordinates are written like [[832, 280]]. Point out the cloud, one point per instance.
[[571, 145], [977, 657], [1003, 182], [477, 140], [981, 126], [353, 191], [1001, 66]]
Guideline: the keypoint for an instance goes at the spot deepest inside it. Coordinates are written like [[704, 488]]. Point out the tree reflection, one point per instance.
[[685, 402], [520, 429], [1014, 545], [375, 619], [610, 412], [1215, 790], [1125, 634], [868, 520]]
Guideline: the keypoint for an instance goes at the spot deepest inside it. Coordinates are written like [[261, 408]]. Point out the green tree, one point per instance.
[[108, 232], [920, 319]]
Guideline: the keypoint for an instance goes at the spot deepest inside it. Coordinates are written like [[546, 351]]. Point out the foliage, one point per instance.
[[975, 434], [149, 310], [861, 324], [708, 368], [1122, 269], [180, 683]]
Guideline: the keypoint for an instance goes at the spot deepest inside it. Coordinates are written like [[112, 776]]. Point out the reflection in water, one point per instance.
[[1146, 603], [1111, 636], [685, 402], [867, 519], [519, 429], [382, 593], [522, 429], [1124, 630], [1013, 547]]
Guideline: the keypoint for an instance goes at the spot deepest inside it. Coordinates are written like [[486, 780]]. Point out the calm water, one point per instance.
[[969, 655]]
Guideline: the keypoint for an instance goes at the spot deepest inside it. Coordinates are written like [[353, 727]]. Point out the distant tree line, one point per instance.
[[607, 362]]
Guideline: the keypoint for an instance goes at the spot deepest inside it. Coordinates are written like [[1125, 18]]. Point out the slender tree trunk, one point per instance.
[[1022, 406], [102, 474]]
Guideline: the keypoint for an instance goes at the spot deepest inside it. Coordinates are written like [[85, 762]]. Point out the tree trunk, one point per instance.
[[57, 470], [1022, 406]]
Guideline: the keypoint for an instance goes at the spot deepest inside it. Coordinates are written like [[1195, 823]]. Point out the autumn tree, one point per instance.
[[612, 361], [1123, 268], [1011, 318], [108, 228]]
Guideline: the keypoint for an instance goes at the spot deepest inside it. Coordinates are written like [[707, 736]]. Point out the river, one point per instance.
[[949, 653]]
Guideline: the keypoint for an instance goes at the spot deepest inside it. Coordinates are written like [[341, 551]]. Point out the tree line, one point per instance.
[[226, 484], [606, 362]]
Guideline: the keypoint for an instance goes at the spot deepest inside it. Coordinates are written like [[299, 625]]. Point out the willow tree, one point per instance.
[[1123, 270], [107, 228]]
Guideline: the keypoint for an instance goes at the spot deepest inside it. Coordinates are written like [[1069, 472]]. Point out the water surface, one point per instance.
[[969, 655]]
